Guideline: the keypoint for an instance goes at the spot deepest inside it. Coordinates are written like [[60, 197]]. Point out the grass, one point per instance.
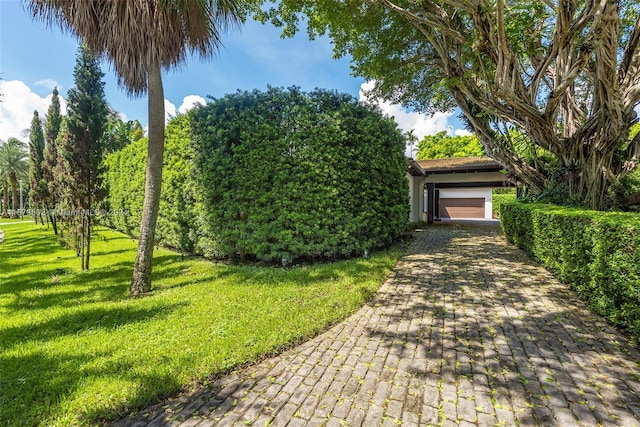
[[75, 349]]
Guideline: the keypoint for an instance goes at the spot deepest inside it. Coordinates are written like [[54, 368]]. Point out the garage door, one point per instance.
[[462, 208]]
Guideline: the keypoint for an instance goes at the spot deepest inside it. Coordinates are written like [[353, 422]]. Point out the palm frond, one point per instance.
[[135, 34]]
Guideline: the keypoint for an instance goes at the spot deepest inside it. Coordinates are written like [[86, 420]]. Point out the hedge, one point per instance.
[[596, 253], [271, 175], [498, 198], [125, 178], [289, 174]]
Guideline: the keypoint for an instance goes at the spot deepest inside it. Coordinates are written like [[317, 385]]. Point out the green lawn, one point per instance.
[[75, 349]]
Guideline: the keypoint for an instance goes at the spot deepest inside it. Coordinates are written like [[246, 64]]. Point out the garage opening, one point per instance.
[[452, 208]]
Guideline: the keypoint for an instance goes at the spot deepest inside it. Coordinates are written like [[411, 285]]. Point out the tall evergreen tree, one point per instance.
[[81, 149], [50, 160], [36, 159]]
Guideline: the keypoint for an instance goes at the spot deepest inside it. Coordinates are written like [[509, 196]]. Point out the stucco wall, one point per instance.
[[415, 197]]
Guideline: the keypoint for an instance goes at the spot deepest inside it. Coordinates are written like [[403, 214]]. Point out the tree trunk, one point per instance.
[[5, 200], [14, 194], [88, 242], [52, 218], [141, 282], [87, 231], [595, 180]]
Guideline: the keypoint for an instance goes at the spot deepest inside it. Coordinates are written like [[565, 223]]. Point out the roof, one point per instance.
[[414, 168], [459, 164]]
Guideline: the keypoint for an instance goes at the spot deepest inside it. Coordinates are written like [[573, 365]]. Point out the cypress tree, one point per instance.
[[81, 151], [36, 158], [50, 160]]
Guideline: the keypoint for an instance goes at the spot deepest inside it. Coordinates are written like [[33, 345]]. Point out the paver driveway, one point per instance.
[[468, 331]]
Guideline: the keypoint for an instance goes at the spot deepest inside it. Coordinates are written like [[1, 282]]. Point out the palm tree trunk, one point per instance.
[[14, 194], [141, 282], [5, 199]]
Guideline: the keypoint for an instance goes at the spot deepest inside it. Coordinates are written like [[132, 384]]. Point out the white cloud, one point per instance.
[[421, 124], [462, 132], [169, 110], [122, 116], [17, 106], [48, 83], [191, 101]]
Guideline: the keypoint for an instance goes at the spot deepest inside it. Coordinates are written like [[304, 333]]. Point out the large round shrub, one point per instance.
[[290, 174]]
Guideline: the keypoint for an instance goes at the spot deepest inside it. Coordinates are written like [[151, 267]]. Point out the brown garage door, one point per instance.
[[462, 208]]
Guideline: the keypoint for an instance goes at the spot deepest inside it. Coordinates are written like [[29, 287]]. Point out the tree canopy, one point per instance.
[[563, 72], [442, 146], [14, 167]]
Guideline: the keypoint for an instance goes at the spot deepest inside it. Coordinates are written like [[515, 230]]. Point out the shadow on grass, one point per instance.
[[303, 274], [51, 379], [106, 284], [72, 322], [49, 373], [34, 366], [16, 245]]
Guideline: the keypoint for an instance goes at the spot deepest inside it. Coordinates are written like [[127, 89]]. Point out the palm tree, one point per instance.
[[14, 167], [141, 37]]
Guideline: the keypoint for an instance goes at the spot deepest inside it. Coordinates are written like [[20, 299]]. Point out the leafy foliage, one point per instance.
[[125, 178], [443, 146], [118, 133], [14, 167], [562, 73], [595, 252], [501, 196], [272, 174], [299, 174]]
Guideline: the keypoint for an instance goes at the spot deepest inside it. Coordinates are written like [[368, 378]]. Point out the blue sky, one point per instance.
[[34, 58]]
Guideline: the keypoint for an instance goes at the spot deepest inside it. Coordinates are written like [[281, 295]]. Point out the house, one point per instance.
[[455, 188]]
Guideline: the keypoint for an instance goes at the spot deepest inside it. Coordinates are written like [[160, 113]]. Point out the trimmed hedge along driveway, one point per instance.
[[468, 331]]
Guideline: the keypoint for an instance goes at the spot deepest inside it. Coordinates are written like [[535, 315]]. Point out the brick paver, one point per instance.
[[468, 331]]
